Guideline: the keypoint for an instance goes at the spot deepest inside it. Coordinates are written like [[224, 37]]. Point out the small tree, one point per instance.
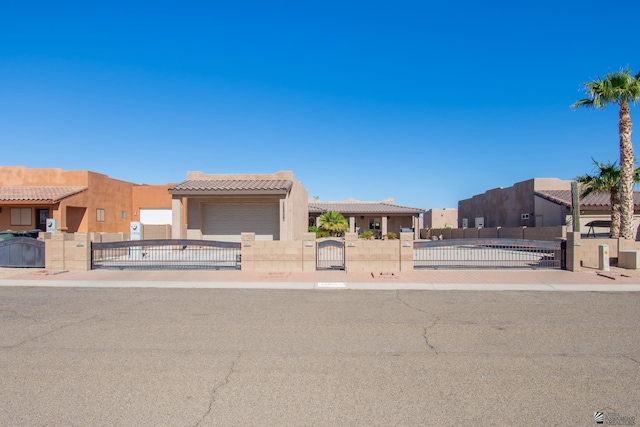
[[607, 180], [333, 222]]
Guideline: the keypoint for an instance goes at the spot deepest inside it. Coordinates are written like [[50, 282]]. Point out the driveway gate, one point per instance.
[[166, 255], [22, 252], [489, 253], [330, 255]]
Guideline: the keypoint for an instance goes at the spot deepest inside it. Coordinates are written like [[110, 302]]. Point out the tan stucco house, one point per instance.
[[222, 206], [379, 217]]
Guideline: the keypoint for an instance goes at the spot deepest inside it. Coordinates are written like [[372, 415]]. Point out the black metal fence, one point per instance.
[[330, 255], [166, 255], [489, 253], [22, 252]]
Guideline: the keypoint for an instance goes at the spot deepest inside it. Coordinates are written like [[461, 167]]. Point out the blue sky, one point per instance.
[[425, 102]]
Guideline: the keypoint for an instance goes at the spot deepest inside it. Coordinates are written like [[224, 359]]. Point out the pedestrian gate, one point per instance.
[[330, 255], [489, 253]]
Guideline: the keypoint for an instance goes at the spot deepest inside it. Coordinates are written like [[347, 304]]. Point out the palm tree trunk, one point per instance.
[[627, 171], [615, 214]]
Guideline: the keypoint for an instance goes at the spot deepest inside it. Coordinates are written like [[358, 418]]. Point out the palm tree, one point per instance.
[[607, 180], [334, 222], [619, 88]]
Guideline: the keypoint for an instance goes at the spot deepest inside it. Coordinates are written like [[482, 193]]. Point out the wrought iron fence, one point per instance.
[[489, 253], [330, 255], [22, 252], [166, 255]]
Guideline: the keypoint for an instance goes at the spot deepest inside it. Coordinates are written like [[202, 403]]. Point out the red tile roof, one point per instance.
[[38, 194], [233, 185]]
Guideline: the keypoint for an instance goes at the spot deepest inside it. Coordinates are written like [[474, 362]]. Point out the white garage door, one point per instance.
[[225, 222], [155, 216]]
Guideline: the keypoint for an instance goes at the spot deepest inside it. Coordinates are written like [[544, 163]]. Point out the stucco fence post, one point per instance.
[[278, 255], [406, 251], [67, 251]]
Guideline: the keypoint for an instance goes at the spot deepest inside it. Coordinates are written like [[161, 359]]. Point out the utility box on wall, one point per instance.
[[479, 222]]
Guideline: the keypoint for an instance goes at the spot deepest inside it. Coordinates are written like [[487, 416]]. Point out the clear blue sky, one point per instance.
[[426, 102]]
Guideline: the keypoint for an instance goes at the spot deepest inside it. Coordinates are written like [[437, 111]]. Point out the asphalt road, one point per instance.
[[215, 357]]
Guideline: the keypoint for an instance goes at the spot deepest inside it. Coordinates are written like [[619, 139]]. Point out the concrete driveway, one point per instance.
[[225, 357]]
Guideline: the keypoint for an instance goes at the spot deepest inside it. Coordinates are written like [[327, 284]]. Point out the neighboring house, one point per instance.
[[221, 207], [78, 201], [594, 207], [514, 206], [441, 218], [379, 217], [538, 202]]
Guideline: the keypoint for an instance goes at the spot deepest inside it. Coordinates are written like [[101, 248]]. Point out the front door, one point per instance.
[[41, 219]]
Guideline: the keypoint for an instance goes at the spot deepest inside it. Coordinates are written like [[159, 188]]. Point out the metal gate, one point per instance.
[[489, 253], [22, 252], [330, 255], [166, 255]]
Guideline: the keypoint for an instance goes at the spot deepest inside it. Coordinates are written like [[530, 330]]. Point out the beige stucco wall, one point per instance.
[[278, 256], [441, 218]]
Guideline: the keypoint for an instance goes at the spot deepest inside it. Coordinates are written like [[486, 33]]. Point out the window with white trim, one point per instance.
[[100, 215]]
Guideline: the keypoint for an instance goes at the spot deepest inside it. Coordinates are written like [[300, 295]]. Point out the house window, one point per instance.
[[124, 214], [20, 216], [100, 215], [375, 223]]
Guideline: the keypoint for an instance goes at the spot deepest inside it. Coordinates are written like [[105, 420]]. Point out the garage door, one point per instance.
[[225, 222], [155, 216]]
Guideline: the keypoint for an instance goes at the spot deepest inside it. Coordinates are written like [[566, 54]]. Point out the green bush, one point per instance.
[[319, 233], [367, 234]]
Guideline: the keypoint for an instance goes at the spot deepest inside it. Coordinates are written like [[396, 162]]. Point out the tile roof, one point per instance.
[[233, 185], [361, 208], [563, 197], [38, 194]]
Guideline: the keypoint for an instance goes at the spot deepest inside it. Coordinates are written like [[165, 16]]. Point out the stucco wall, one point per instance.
[[441, 218]]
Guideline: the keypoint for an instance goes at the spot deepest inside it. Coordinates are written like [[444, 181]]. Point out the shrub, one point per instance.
[[367, 234]]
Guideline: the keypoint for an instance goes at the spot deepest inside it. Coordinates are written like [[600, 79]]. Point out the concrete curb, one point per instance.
[[322, 286]]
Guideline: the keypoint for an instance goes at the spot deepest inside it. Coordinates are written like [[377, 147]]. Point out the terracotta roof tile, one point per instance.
[[38, 194], [361, 208], [242, 185]]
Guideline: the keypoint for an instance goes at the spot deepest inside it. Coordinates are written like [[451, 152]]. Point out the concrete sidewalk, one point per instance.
[[543, 280]]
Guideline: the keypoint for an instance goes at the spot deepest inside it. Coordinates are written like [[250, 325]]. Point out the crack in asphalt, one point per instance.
[[632, 359], [426, 329], [426, 339], [215, 390], [37, 337], [12, 314], [61, 327], [407, 304]]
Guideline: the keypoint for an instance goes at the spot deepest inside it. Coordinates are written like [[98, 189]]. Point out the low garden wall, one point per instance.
[[65, 251]]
